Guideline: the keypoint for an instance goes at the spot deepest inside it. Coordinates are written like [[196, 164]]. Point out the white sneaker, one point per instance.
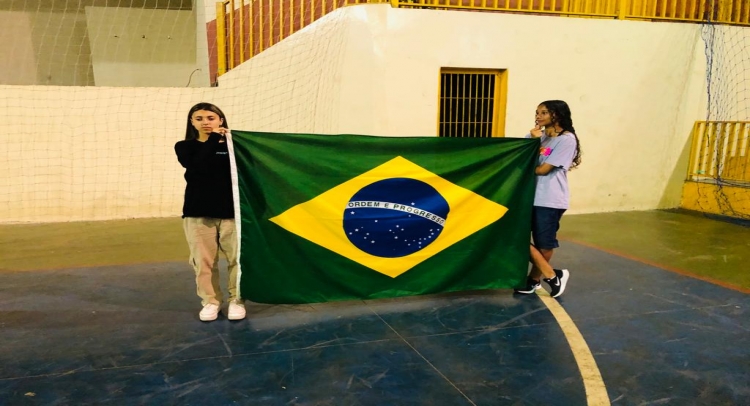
[[236, 310], [209, 313]]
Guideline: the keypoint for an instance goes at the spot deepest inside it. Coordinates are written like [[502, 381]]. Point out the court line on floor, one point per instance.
[[662, 266], [593, 384], [434, 368], [596, 392]]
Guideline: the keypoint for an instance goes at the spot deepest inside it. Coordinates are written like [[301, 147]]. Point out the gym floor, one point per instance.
[[656, 313]]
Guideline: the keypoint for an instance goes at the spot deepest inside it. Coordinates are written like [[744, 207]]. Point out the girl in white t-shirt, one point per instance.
[[560, 152]]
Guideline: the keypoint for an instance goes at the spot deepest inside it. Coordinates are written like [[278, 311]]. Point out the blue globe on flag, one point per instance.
[[395, 217]]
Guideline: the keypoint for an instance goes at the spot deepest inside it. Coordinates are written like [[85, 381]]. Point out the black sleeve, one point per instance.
[[193, 155]]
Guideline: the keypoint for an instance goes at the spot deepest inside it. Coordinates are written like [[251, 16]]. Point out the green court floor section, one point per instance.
[[674, 240], [683, 241], [25, 247]]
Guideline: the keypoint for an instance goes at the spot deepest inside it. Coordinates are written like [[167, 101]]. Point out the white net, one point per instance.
[[722, 161], [97, 93]]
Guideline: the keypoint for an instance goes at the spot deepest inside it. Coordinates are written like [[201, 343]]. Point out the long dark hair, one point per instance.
[[560, 114], [191, 133]]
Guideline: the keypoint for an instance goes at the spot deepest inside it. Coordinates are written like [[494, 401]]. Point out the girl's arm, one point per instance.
[[543, 169]]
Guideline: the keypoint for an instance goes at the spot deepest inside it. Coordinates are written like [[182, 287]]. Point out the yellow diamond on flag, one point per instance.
[[392, 217]]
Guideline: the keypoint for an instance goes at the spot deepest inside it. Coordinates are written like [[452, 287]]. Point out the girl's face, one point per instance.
[[206, 121], [543, 117]]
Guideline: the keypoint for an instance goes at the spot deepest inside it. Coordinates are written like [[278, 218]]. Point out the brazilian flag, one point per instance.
[[338, 217]]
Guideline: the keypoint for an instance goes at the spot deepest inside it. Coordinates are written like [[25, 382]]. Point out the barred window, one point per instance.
[[472, 103]]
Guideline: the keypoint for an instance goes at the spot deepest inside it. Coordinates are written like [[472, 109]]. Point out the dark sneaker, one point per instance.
[[531, 286], [557, 284]]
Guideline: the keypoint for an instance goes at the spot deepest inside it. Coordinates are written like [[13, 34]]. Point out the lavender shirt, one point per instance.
[[552, 188]]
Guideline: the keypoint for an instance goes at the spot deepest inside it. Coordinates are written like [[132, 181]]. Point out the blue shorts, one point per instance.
[[545, 222]]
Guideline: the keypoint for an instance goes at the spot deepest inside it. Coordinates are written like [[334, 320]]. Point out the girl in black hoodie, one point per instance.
[[208, 211]]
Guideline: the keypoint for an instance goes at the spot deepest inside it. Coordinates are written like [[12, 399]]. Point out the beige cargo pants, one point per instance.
[[206, 237]]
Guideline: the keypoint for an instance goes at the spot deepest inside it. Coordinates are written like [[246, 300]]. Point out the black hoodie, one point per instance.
[[209, 181]]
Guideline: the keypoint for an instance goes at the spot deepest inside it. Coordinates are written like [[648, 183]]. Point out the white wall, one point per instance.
[[45, 48], [55, 46], [635, 88], [140, 47], [19, 65], [202, 76], [632, 87], [92, 153], [730, 72], [98, 153], [293, 86]]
